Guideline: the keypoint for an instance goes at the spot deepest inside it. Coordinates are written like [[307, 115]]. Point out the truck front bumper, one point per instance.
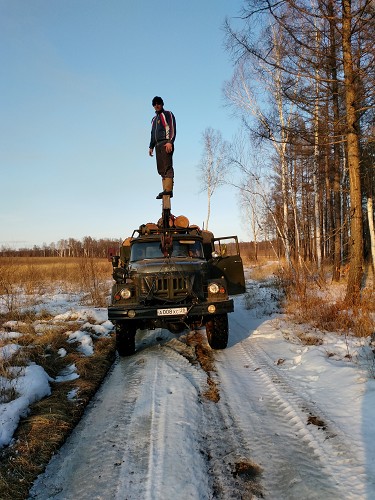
[[136, 312]]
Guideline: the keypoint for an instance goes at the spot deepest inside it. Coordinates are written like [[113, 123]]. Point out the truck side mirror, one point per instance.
[[115, 260]]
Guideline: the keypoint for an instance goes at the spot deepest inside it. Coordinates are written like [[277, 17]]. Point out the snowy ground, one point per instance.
[[293, 420], [31, 383]]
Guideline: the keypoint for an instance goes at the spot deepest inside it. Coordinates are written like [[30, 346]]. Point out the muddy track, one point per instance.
[[233, 472]]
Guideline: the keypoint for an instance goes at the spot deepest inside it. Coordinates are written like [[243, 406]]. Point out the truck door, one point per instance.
[[228, 263]]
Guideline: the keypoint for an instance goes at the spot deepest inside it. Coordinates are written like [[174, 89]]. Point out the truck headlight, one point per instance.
[[213, 288], [126, 293]]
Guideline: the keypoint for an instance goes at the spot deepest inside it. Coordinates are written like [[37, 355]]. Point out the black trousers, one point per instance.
[[164, 160]]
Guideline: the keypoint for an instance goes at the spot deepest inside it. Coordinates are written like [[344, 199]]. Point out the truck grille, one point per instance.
[[170, 287]]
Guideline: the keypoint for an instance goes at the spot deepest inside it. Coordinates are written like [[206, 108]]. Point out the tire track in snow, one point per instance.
[[330, 440], [139, 438], [227, 447], [157, 434], [170, 428], [298, 461], [93, 452]]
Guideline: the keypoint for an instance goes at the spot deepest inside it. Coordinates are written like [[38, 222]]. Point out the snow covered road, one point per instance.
[[282, 428], [299, 459], [140, 436]]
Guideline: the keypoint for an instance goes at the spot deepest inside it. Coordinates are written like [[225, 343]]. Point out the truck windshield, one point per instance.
[[151, 250]]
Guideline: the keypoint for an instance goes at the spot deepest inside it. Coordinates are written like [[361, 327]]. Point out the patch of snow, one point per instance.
[[98, 315], [7, 351], [87, 346], [67, 374], [41, 327], [32, 384], [56, 303], [14, 324], [10, 335], [102, 330], [72, 395], [10, 414]]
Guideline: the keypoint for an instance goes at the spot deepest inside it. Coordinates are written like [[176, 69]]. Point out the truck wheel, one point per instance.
[[217, 331], [125, 338]]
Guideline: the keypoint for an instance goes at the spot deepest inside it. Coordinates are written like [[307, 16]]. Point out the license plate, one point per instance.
[[172, 311]]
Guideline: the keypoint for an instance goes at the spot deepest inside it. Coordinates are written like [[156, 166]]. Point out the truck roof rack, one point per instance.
[[148, 229]]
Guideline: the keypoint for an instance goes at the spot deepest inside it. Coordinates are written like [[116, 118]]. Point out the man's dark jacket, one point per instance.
[[163, 128]]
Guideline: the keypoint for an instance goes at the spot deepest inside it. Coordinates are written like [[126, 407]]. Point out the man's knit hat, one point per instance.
[[157, 100]]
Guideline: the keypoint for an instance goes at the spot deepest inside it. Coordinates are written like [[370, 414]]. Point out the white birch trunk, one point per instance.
[[370, 217]]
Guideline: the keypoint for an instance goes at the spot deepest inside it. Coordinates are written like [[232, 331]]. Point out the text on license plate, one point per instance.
[[172, 311]]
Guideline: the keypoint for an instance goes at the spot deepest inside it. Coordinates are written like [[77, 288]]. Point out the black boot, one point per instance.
[[164, 193]]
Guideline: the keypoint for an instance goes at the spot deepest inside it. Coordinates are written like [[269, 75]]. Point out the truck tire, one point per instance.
[[217, 331], [125, 338]]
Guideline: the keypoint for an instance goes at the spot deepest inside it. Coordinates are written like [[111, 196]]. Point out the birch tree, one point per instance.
[[213, 165], [255, 194], [272, 123]]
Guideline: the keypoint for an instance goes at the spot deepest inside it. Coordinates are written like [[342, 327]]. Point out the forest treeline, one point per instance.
[[104, 248], [70, 247]]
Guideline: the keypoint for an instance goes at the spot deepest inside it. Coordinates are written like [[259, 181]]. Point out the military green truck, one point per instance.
[[173, 277]]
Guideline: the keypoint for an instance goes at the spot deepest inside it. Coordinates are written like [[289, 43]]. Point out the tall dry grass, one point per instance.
[[312, 298], [24, 279], [263, 269]]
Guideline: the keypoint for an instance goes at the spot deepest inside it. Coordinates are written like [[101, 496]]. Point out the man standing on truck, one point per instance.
[[163, 134]]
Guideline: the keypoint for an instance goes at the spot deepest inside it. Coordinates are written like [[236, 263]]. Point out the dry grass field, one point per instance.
[[23, 280]]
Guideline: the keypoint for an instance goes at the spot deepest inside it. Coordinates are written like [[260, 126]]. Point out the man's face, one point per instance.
[[158, 107]]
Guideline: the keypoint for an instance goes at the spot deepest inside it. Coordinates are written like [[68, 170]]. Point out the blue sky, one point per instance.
[[77, 80]]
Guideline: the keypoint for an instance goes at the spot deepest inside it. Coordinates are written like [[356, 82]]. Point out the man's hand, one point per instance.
[[168, 147], [151, 152]]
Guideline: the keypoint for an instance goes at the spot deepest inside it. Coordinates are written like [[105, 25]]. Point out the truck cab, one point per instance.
[[174, 278]]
